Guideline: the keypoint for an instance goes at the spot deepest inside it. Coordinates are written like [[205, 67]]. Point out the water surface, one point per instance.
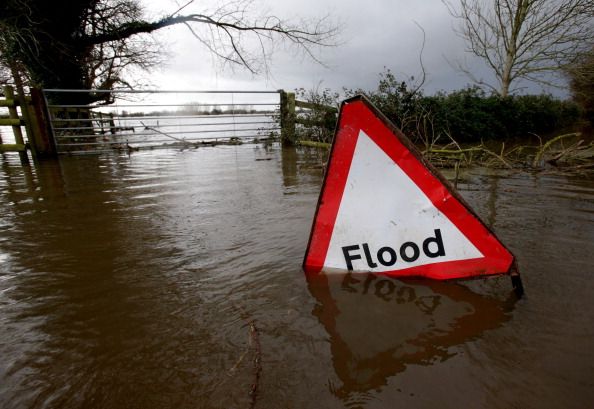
[[168, 278]]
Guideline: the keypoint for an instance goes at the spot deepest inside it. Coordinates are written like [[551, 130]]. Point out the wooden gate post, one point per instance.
[[287, 118], [42, 135], [24, 103]]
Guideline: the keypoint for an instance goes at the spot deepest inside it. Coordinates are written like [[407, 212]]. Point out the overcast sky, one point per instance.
[[375, 34]]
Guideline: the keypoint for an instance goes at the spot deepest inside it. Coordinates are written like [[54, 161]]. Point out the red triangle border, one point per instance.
[[359, 114]]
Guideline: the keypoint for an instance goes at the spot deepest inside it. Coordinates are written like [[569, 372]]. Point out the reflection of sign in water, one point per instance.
[[371, 344], [384, 209]]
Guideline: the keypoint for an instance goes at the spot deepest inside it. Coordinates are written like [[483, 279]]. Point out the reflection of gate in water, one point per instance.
[[150, 119]]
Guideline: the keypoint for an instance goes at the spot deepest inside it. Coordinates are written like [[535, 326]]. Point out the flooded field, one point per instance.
[[172, 279]]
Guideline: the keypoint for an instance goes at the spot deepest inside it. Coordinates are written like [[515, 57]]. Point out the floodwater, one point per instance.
[[172, 279]]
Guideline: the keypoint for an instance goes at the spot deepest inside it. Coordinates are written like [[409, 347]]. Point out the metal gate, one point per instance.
[[132, 120]]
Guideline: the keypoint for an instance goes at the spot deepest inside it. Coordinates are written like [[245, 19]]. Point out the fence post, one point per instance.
[[287, 118], [25, 104], [16, 129], [112, 127], [41, 129]]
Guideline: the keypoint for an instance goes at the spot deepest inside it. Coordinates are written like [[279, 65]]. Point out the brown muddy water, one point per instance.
[[172, 279]]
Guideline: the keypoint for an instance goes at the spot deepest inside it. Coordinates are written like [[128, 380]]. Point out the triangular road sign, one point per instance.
[[384, 209]]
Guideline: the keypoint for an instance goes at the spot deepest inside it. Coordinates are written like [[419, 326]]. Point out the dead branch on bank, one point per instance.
[[468, 154], [544, 148], [578, 156]]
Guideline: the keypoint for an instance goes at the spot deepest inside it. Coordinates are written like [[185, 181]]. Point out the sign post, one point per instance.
[[384, 209]]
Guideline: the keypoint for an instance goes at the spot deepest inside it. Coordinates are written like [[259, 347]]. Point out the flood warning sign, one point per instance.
[[384, 209]]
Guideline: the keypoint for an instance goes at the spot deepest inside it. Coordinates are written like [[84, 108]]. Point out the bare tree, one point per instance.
[[91, 43], [106, 62], [524, 39]]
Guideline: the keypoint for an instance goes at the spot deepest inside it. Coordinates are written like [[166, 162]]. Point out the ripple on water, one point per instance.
[[136, 280]]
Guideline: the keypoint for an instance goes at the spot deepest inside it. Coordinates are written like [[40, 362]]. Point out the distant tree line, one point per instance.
[[197, 110]]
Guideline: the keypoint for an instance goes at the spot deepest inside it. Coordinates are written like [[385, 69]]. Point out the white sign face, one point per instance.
[[383, 209], [385, 222]]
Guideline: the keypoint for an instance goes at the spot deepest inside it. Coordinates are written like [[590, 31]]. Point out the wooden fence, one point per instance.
[[294, 112], [32, 117]]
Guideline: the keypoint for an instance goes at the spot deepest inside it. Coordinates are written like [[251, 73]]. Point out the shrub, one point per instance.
[[318, 123], [469, 114]]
